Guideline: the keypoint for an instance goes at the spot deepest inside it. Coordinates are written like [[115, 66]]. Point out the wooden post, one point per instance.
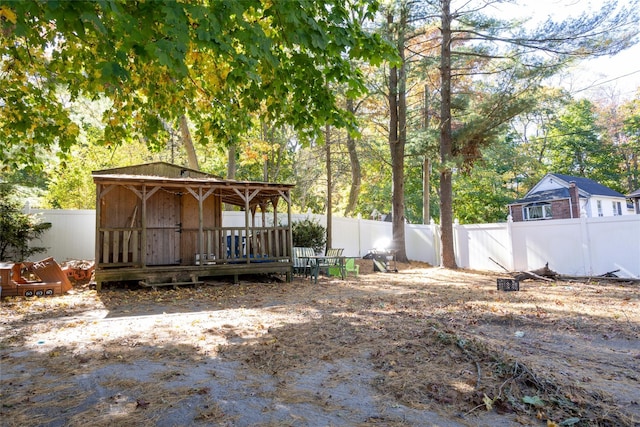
[[247, 213], [201, 227], [143, 219], [98, 253]]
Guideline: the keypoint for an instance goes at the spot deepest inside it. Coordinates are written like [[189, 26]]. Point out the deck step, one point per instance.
[[154, 285]]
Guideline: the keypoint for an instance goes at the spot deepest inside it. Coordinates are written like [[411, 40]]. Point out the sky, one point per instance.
[[619, 74]]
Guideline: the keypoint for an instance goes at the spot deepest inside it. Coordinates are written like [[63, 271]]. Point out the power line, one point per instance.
[[607, 81]]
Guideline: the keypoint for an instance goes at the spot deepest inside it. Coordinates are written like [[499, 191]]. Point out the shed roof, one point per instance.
[[169, 175], [164, 169]]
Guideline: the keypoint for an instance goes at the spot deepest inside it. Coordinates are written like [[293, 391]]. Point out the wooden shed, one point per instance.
[[160, 223]]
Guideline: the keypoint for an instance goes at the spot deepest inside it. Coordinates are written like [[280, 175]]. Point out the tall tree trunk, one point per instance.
[[327, 144], [265, 165], [398, 138], [231, 162], [356, 172], [188, 143], [446, 142]]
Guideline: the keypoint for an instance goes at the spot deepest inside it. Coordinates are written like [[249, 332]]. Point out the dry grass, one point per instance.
[[425, 338]]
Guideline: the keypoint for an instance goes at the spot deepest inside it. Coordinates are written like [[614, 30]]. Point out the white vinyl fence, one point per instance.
[[579, 247]]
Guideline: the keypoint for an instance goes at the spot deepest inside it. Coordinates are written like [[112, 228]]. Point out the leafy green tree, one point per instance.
[[529, 135], [511, 52], [488, 68], [578, 146], [217, 62], [630, 146], [17, 229], [483, 192], [71, 184]]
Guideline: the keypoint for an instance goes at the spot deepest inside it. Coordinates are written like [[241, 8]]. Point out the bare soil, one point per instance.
[[420, 347]]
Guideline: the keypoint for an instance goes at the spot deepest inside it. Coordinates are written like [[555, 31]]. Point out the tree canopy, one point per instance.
[[219, 61], [525, 57], [258, 81]]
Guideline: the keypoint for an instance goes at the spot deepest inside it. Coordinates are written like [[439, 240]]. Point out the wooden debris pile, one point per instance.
[[548, 275]]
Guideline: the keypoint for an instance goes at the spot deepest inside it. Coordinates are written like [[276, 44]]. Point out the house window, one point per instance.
[[599, 203], [617, 208], [537, 211]]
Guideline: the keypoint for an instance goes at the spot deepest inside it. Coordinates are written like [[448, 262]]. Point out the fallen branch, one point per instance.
[[544, 273], [598, 278], [500, 265], [531, 275]]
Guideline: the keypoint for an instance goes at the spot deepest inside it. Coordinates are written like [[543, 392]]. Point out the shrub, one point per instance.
[[17, 229], [307, 233]]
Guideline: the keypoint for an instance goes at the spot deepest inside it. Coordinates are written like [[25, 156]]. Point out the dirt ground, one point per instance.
[[420, 347]]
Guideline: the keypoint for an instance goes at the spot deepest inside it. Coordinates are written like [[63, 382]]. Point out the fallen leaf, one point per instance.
[[488, 402], [533, 400]]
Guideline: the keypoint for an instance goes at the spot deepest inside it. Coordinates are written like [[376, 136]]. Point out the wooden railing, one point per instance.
[[123, 246], [120, 246], [232, 244]]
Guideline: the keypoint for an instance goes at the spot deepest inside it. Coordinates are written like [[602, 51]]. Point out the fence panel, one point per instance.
[[557, 242], [578, 247], [614, 244], [484, 247], [72, 234], [422, 244], [348, 235]]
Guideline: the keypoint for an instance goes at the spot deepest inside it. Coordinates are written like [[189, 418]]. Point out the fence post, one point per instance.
[[512, 255], [359, 235], [586, 244], [435, 231], [457, 247]]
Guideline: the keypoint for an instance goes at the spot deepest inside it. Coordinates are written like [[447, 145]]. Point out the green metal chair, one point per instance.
[[333, 266], [350, 266]]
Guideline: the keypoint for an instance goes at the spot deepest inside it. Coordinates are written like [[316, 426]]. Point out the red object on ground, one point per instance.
[[49, 279]]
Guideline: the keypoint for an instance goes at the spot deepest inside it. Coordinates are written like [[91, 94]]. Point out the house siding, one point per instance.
[[516, 213], [560, 209], [607, 206]]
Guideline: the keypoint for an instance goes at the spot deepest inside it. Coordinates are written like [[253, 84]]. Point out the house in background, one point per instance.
[[558, 196], [635, 199]]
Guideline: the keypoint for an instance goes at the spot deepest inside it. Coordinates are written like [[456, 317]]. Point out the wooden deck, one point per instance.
[[191, 274]]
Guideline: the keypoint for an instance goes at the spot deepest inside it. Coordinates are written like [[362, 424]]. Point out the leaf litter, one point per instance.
[[424, 346]]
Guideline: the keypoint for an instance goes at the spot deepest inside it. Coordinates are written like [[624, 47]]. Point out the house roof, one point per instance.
[[586, 188], [169, 175], [635, 194], [589, 186], [544, 196]]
